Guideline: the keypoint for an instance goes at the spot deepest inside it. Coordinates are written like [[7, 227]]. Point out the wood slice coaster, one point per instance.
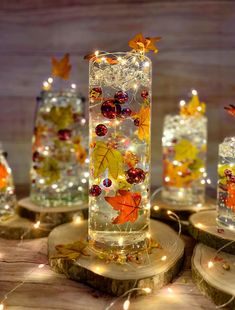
[[204, 228], [50, 216], [113, 278], [159, 211], [16, 227], [216, 282], [28, 213]]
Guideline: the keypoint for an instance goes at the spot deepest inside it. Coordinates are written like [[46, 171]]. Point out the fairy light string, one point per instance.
[[148, 290]]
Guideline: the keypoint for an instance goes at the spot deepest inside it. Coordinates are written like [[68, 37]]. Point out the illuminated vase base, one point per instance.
[[183, 196], [116, 241], [53, 202], [226, 219]]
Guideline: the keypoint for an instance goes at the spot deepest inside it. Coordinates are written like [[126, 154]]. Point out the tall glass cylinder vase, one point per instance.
[[59, 170], [7, 189], [120, 112], [184, 145], [226, 183]]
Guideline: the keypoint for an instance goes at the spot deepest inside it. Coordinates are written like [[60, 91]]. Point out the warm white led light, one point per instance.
[[194, 92], [182, 103], [36, 225], [126, 304]]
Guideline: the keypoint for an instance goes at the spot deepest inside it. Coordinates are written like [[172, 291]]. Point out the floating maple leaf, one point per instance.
[[61, 68], [3, 176], [62, 117], [144, 123], [106, 157], [185, 150], [230, 109], [127, 203], [230, 200], [141, 44]]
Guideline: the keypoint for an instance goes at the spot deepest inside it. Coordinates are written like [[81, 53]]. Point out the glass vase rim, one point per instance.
[[187, 116], [134, 54], [64, 91], [228, 140]]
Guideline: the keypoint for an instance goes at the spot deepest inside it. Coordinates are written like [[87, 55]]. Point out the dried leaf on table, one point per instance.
[[71, 251]]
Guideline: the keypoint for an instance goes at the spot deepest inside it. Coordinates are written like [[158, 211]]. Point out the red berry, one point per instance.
[[121, 96], [137, 122], [232, 179], [135, 175], [95, 190], [36, 156], [64, 134], [126, 112], [101, 130], [144, 94], [107, 182], [109, 109], [228, 173]]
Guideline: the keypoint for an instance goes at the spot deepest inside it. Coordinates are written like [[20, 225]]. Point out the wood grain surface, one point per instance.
[[45, 289], [197, 51]]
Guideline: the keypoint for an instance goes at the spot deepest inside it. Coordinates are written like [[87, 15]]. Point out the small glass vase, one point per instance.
[[59, 169], [184, 145], [7, 189], [120, 115], [226, 183]]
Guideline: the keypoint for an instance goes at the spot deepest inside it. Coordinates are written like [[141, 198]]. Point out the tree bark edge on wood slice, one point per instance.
[[51, 217], [204, 228], [18, 228], [116, 279], [218, 296]]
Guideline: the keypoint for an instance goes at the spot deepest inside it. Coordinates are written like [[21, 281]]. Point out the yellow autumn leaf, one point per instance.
[[185, 150], [144, 123], [194, 107], [62, 117], [105, 157]]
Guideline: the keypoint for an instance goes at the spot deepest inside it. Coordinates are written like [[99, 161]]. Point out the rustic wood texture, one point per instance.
[[45, 289], [51, 217], [115, 278], [17, 227], [216, 282], [203, 228], [197, 51]]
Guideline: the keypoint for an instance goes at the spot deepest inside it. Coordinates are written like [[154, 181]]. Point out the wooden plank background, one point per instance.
[[197, 51]]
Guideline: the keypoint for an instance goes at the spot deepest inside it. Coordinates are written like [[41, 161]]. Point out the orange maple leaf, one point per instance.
[[127, 203], [61, 68], [141, 44], [3, 176], [230, 200], [230, 109]]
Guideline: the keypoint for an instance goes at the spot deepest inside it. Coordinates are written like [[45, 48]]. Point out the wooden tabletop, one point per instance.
[[44, 289]]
